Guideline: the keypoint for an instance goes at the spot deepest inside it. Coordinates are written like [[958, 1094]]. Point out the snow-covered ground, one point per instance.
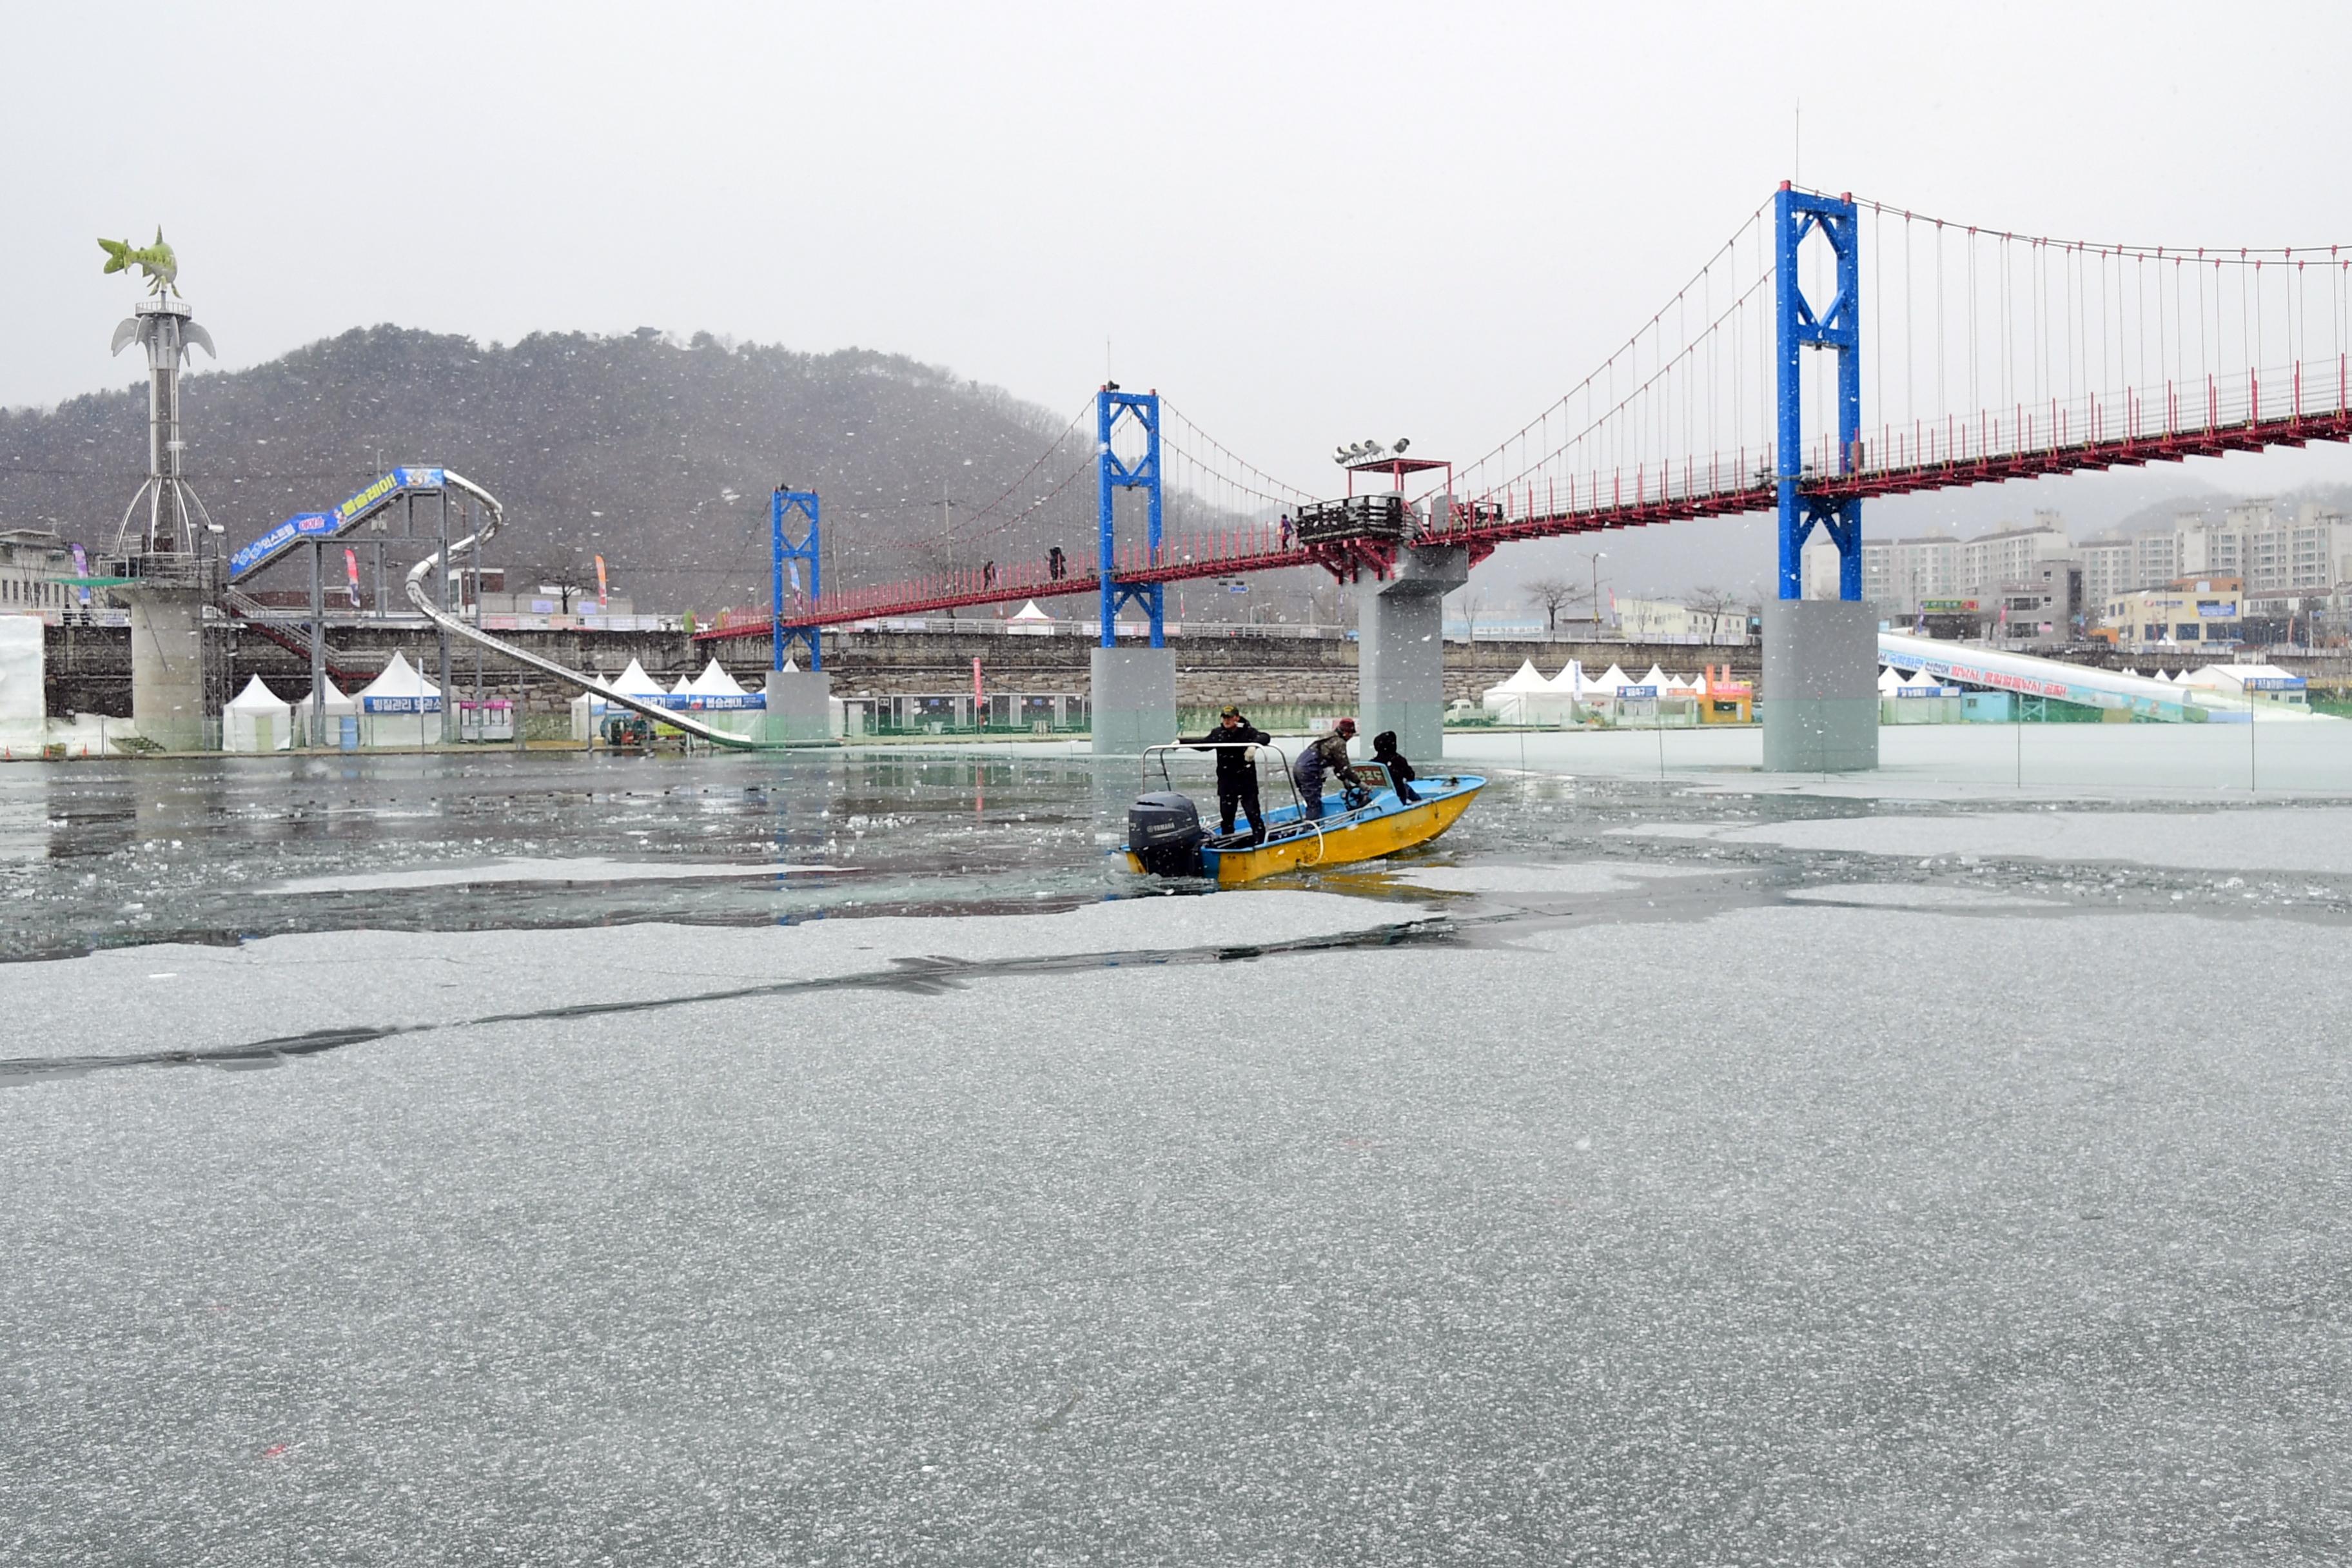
[[1709, 1171]]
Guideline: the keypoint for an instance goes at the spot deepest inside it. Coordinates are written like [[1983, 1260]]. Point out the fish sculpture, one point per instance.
[[156, 261]]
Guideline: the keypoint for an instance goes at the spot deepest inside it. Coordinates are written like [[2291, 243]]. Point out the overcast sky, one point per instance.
[[1306, 224]]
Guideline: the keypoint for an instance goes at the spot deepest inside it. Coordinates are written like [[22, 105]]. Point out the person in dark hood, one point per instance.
[[1237, 770], [1327, 756], [1400, 773]]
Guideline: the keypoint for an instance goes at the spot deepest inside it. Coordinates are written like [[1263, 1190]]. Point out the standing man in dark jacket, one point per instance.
[[1236, 771]]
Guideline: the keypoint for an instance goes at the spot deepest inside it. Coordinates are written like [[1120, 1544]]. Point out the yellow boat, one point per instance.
[[1165, 837]]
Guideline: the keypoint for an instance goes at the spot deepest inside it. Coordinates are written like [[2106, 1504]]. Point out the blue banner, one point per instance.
[[301, 526], [689, 703]]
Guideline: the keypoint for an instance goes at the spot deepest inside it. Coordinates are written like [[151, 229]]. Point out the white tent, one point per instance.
[[714, 681], [256, 719], [1527, 698], [399, 708], [1610, 682], [588, 711], [2264, 682], [1656, 681], [1921, 677], [714, 684], [634, 682], [1571, 678], [1888, 680], [2130, 671], [1030, 621], [1524, 682], [335, 708]]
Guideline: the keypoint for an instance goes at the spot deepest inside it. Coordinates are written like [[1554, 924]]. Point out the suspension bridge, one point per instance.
[[1943, 353]]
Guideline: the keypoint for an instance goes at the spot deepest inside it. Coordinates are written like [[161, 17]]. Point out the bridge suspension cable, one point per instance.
[[1990, 354]]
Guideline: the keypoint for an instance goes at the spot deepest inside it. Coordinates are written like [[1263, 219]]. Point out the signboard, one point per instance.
[[2273, 683], [400, 704], [304, 525], [2217, 609], [1623, 693], [1947, 606], [1926, 691]]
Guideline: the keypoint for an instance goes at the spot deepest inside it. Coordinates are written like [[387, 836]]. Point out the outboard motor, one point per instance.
[[1163, 831]]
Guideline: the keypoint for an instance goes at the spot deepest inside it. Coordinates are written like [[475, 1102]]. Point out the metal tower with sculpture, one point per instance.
[[166, 570]]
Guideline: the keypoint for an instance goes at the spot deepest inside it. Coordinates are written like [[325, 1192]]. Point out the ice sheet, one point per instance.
[[1405, 1254], [2308, 757], [1907, 896], [136, 1000], [2313, 839], [1590, 877]]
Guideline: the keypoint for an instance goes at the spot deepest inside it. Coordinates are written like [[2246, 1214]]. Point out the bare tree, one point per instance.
[[1553, 594], [1709, 600], [1721, 605]]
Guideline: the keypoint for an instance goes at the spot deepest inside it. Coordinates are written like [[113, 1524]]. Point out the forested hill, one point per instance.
[[656, 454]]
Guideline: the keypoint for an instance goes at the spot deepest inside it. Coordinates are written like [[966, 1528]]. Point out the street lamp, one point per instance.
[[1597, 557]]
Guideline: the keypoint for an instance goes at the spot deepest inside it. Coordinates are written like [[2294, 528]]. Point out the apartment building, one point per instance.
[[1897, 574], [2110, 566], [1991, 560], [2156, 558]]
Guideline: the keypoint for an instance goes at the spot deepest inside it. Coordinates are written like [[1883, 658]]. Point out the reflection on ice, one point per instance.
[[590, 869]]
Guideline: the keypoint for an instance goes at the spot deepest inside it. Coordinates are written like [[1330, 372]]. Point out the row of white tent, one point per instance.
[[398, 707], [390, 710], [1890, 683], [1528, 697], [739, 711]]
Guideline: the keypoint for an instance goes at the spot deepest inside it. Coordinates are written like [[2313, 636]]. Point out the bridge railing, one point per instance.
[[2271, 399]]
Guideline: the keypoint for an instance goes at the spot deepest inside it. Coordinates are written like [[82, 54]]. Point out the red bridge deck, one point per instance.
[[1651, 497]]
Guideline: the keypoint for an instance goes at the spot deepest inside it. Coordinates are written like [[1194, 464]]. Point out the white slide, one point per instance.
[[1967, 664], [419, 596]]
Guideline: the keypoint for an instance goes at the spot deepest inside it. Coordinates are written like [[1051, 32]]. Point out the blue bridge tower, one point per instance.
[[1820, 700]]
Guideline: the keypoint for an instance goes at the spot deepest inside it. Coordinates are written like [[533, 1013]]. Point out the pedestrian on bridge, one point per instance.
[[1056, 565]]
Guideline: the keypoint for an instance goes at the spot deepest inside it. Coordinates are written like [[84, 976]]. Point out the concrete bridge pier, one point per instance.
[[1820, 696], [800, 705], [167, 666], [1401, 648], [1134, 700]]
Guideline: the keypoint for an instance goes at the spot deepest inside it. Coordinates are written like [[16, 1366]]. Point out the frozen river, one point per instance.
[[832, 1159]]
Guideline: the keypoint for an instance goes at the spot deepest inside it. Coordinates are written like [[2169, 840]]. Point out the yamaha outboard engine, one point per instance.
[[1163, 831]]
